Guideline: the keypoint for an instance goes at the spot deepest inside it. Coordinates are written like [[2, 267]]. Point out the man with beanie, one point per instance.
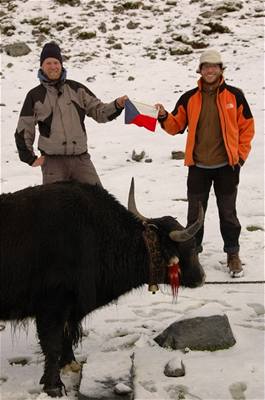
[[220, 129], [59, 106]]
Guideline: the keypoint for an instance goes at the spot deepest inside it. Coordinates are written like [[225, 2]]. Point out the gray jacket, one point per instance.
[[59, 111]]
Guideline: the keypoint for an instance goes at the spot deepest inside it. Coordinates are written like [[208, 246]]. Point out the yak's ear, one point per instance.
[[132, 205], [152, 226]]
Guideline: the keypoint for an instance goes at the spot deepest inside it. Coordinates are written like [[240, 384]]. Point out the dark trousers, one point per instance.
[[225, 181]]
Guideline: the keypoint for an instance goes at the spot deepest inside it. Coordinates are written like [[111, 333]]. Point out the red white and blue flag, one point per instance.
[[140, 114]]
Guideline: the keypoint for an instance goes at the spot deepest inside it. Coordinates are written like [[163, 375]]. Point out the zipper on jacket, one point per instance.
[[195, 130], [64, 130], [224, 133]]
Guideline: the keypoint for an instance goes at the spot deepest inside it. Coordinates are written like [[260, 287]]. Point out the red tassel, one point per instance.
[[173, 273]]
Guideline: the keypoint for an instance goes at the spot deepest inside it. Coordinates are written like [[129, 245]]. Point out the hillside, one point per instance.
[[148, 50]]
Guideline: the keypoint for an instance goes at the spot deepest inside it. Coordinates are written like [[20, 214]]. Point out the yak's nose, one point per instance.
[[195, 277]]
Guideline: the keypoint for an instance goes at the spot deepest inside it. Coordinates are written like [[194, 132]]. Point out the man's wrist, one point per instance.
[[163, 116], [118, 106], [31, 162]]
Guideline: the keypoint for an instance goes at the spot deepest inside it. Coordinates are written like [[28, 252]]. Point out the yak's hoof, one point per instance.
[[54, 392]]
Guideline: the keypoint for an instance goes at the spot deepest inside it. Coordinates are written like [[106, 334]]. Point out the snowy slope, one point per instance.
[[160, 185]]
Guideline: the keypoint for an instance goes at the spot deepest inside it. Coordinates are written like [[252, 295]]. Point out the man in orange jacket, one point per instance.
[[220, 129]]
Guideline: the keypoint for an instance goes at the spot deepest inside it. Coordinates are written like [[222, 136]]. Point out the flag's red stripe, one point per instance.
[[145, 121]]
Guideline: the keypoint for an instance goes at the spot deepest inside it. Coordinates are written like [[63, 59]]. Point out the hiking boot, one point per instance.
[[234, 265]]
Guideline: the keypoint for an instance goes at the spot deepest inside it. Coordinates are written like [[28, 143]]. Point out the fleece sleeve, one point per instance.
[[100, 112], [176, 121], [246, 128], [25, 132]]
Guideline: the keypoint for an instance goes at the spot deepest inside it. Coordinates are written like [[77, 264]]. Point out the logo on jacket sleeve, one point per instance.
[[229, 105]]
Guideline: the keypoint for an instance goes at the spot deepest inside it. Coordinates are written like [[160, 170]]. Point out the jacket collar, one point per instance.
[[47, 82], [220, 86]]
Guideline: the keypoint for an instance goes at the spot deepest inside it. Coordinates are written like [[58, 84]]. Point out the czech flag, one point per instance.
[[141, 114]]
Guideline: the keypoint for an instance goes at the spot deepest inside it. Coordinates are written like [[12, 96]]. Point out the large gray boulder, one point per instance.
[[17, 49], [199, 333]]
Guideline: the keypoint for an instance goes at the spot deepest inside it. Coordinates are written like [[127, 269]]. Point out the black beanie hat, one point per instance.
[[51, 50]]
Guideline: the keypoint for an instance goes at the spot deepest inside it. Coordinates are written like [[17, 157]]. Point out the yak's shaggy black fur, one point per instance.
[[67, 249]]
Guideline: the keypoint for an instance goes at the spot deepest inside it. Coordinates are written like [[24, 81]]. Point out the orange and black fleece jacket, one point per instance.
[[237, 123]]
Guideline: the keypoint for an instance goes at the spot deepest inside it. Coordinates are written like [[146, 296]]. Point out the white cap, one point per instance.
[[211, 56]]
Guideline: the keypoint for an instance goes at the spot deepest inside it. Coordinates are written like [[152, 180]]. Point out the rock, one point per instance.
[[91, 78], [36, 21], [258, 15], [132, 25], [174, 368], [86, 35], [181, 38], [8, 30], [237, 390], [180, 50], [17, 49], [195, 44], [118, 9], [111, 40], [215, 27], [206, 14], [177, 155], [122, 389], [132, 5], [199, 44], [41, 39], [138, 157], [229, 6], [180, 199], [60, 26], [69, 2], [258, 308], [102, 27], [253, 228], [19, 361], [75, 30], [152, 56], [200, 333], [117, 46]]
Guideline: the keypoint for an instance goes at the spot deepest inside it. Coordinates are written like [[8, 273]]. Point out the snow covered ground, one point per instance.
[[130, 325]]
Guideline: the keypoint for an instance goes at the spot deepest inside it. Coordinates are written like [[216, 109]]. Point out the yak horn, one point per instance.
[[190, 231], [132, 205]]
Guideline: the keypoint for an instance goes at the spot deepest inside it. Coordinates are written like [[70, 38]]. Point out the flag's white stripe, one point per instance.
[[145, 109]]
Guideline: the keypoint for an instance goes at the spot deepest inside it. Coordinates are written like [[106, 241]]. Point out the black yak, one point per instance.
[[68, 248]]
